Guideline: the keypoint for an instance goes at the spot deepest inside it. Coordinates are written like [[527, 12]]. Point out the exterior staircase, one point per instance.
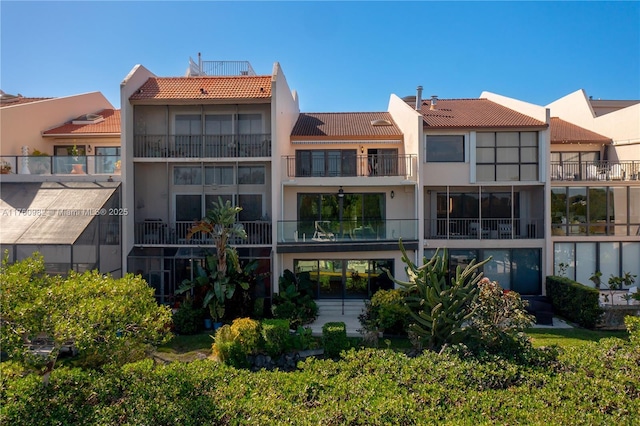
[[338, 310]]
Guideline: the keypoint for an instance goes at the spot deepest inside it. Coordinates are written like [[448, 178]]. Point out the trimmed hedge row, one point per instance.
[[574, 301], [598, 383]]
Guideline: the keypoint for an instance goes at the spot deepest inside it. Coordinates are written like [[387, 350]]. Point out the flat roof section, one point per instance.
[[50, 212]]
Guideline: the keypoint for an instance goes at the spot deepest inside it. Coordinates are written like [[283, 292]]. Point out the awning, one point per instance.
[[50, 212]]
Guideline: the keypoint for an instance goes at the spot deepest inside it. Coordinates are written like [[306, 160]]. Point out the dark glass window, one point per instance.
[[445, 149]]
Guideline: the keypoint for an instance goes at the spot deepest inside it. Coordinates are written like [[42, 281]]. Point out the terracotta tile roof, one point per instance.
[[474, 113], [333, 125], [21, 100], [203, 88], [563, 131], [111, 124]]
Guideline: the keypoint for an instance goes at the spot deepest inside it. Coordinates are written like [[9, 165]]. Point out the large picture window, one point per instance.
[[445, 149], [326, 163], [506, 156]]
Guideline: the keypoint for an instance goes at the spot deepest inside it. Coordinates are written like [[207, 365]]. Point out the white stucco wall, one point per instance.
[[136, 78]]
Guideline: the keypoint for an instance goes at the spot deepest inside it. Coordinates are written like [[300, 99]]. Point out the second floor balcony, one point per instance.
[[202, 146], [158, 232], [594, 170], [378, 165], [483, 229], [61, 165], [347, 231]]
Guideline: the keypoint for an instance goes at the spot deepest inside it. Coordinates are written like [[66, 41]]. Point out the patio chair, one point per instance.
[[476, 230], [504, 230], [616, 172], [592, 172], [320, 234]]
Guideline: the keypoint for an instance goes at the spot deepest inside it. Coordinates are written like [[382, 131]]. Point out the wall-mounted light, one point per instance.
[[361, 149], [89, 149], [393, 194]]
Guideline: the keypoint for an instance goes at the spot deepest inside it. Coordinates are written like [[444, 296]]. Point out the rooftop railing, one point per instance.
[[202, 146], [60, 165], [594, 170], [377, 165]]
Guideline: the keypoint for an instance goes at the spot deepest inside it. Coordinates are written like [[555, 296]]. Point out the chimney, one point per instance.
[[419, 98], [434, 101]]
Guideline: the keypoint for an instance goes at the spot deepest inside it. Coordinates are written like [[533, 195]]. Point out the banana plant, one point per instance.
[[220, 224]]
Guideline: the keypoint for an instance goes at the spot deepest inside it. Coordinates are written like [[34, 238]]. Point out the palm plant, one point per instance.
[[220, 224]]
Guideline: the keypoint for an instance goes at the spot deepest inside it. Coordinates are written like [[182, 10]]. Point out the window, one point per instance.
[[218, 175], [445, 149], [187, 175], [106, 159], [251, 175], [188, 129], [506, 156], [326, 163], [583, 259], [581, 210]]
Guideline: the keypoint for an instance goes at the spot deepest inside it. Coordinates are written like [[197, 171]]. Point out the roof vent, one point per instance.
[[434, 101], [88, 119], [6, 98], [380, 122]]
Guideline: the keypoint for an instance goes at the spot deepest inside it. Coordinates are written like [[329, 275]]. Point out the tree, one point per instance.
[[106, 320], [220, 224]]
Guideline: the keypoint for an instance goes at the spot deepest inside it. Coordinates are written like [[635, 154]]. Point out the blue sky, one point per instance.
[[339, 56]]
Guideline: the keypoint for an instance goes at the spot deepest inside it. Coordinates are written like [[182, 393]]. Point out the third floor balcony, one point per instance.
[[202, 146], [594, 170]]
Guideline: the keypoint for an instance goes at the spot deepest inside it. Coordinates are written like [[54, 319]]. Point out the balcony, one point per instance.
[[322, 232], [378, 165], [594, 170], [202, 146], [158, 232], [483, 229], [61, 165]]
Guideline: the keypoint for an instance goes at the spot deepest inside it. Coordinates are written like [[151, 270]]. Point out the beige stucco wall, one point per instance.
[[22, 125]]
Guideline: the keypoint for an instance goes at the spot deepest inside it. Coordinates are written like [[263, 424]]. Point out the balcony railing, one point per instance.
[[361, 165], [483, 229], [158, 232], [595, 170], [320, 231], [61, 164], [202, 146]]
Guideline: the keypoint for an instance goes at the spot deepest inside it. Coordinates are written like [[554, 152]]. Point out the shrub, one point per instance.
[[574, 301], [499, 319], [275, 335], [633, 327], [188, 319], [334, 338], [227, 348], [386, 312], [247, 332], [295, 300]]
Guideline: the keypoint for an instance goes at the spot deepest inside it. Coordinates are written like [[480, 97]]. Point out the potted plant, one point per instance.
[[5, 168], [78, 167], [117, 167]]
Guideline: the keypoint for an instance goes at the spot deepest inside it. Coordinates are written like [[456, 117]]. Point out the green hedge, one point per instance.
[[574, 301], [594, 384], [275, 335], [334, 338]]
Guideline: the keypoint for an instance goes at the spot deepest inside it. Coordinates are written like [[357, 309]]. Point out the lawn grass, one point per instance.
[[563, 337], [570, 337]]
